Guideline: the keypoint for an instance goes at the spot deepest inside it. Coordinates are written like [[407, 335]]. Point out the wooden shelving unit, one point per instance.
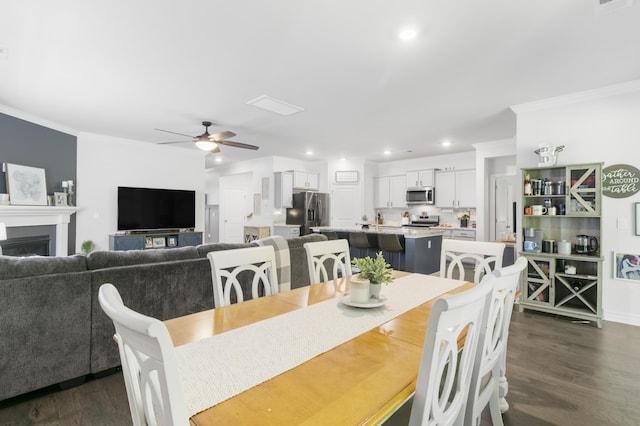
[[547, 286]]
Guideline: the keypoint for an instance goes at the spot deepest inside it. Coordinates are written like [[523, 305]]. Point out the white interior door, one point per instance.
[[232, 215], [502, 212], [345, 205]]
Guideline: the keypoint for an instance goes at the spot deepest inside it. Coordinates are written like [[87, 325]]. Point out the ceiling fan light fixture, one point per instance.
[[206, 145]]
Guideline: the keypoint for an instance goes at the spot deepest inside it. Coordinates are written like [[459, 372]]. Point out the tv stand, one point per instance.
[[166, 238]]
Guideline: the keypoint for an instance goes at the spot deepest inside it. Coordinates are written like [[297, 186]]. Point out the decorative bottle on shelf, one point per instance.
[[527, 185]]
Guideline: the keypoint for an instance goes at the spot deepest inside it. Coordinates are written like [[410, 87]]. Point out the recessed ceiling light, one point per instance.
[[387, 152], [309, 152], [446, 142], [218, 159], [407, 34], [343, 159]]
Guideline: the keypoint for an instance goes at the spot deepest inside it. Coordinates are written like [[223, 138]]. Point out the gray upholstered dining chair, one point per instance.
[[458, 255], [149, 364], [228, 267]]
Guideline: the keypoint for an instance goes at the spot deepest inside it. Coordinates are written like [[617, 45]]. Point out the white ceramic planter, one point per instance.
[[359, 290], [374, 290]]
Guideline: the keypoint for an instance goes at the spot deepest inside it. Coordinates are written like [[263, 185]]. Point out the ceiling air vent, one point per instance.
[[607, 6]]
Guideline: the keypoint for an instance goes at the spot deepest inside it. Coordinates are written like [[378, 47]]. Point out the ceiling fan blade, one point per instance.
[[175, 133], [222, 135], [166, 143], [237, 144]]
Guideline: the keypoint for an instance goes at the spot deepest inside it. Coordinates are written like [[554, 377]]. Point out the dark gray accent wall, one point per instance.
[[29, 144]]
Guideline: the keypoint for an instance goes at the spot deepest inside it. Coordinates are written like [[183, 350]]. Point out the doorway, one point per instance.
[[232, 214], [345, 209], [502, 202]]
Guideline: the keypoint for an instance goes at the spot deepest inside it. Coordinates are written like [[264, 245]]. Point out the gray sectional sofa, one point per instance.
[[52, 329]]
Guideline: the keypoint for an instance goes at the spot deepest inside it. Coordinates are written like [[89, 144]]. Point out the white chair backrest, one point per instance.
[[226, 265], [445, 369], [484, 256], [149, 364], [332, 253], [489, 364]]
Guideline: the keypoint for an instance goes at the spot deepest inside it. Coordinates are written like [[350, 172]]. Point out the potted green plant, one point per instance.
[[87, 247], [464, 220], [374, 271]]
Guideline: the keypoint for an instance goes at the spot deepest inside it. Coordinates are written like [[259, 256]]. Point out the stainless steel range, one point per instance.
[[424, 221]]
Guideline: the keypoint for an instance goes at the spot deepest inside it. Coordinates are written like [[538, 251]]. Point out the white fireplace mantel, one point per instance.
[[59, 216]]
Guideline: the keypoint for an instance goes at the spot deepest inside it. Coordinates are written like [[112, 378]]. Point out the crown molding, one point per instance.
[[578, 97], [4, 109]]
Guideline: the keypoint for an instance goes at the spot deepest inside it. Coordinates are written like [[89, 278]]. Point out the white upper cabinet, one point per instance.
[[283, 190], [306, 180], [455, 189], [390, 191], [420, 178]]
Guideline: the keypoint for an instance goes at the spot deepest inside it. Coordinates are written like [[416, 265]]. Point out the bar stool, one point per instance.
[[332, 235], [359, 242], [392, 250]]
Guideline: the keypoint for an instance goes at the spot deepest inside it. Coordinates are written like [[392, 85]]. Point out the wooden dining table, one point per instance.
[[361, 381]]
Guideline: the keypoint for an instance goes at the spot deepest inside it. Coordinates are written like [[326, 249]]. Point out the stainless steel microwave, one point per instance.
[[424, 195]]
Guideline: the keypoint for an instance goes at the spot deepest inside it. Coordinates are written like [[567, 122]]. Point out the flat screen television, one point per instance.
[[150, 209]]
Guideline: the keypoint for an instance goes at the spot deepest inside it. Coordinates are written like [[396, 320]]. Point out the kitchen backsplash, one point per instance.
[[447, 217]]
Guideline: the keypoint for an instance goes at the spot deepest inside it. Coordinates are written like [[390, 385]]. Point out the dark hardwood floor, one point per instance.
[[560, 373]]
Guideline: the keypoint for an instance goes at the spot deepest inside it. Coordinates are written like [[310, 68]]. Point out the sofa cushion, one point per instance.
[[283, 259], [45, 325], [299, 263], [112, 259], [32, 266], [161, 290], [203, 249]]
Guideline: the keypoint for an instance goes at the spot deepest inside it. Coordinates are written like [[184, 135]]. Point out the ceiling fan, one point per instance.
[[207, 142]]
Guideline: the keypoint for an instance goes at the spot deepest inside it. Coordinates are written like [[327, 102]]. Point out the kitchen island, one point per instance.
[[422, 245]]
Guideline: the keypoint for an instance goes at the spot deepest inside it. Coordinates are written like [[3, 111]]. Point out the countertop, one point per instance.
[[382, 229]]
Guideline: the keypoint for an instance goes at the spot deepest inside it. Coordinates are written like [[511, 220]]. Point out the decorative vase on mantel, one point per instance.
[[359, 290]]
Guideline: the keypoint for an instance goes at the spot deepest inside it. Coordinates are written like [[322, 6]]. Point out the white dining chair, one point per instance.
[[331, 254], [490, 364], [482, 256], [149, 364], [445, 368], [230, 267]]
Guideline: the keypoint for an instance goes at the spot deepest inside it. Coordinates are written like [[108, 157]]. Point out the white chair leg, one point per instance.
[[503, 389], [495, 409]]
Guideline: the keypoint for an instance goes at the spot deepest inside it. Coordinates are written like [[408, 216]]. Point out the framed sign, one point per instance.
[[620, 181], [347, 176], [626, 266], [637, 217]]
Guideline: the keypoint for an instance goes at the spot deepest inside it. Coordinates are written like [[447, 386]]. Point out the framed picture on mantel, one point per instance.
[[26, 185]]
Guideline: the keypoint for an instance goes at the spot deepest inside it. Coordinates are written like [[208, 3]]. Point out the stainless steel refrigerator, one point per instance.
[[309, 209]]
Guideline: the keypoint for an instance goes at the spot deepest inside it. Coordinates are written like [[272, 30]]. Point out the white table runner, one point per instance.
[[221, 366]]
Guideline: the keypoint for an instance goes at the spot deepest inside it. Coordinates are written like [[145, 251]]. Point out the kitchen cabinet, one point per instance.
[[420, 178], [458, 234], [568, 283], [390, 191], [455, 189], [283, 190], [286, 231], [252, 233], [306, 180]]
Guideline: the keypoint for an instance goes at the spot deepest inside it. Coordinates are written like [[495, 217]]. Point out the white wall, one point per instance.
[[596, 126], [105, 162], [487, 161]]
